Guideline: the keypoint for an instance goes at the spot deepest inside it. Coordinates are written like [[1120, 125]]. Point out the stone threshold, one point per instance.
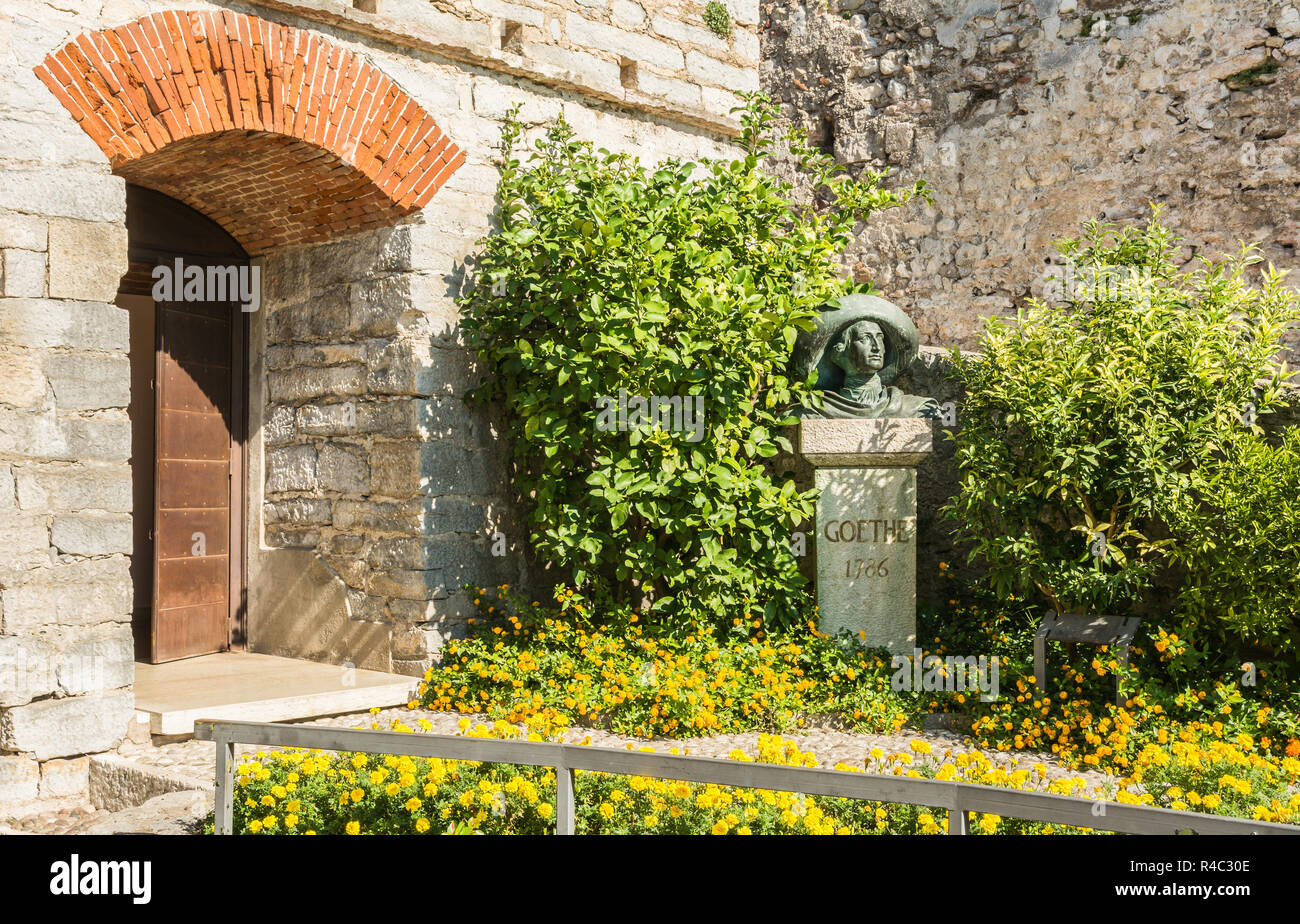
[[470, 49], [241, 686]]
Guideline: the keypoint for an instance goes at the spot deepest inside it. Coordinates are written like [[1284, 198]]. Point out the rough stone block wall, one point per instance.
[[623, 50], [371, 458], [1029, 117], [65, 480]]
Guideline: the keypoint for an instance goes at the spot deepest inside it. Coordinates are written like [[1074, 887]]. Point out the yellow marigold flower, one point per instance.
[[255, 826], [545, 810], [607, 809], [353, 827], [421, 825], [358, 795]]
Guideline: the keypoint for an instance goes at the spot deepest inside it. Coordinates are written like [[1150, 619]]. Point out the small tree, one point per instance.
[[684, 282], [1093, 430]]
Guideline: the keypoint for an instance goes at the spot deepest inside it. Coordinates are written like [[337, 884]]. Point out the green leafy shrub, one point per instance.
[[1241, 547], [610, 281], [1095, 429]]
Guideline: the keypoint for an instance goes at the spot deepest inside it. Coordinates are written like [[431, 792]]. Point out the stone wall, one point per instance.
[[372, 460], [65, 482], [654, 55], [1029, 117]]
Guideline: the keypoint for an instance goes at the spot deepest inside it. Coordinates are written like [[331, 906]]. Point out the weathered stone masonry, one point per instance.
[[1029, 116], [1026, 118]]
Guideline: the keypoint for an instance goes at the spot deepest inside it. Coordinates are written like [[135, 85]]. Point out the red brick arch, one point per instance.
[[274, 132]]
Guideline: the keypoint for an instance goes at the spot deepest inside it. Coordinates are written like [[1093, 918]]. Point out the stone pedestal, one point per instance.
[[866, 524]]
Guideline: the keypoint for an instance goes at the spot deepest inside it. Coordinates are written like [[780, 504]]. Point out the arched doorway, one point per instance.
[[246, 139], [184, 290]]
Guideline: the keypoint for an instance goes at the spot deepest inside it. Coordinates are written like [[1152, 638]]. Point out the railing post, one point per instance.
[[564, 804], [958, 818], [1040, 663], [224, 798]]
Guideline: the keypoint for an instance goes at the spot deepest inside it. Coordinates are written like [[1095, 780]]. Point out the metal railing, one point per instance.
[[958, 798]]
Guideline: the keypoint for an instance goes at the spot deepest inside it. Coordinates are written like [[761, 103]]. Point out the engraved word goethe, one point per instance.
[[195, 283], [876, 531], [882, 530]]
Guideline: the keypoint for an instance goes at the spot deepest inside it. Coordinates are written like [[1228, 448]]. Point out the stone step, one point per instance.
[[170, 813], [117, 783], [240, 686]]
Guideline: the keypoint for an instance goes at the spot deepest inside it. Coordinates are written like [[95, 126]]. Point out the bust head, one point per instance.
[[859, 349]]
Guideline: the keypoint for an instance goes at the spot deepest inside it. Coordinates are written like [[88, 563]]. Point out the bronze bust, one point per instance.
[[860, 345]]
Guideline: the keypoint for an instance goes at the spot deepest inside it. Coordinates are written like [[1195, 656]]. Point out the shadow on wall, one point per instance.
[[385, 492]]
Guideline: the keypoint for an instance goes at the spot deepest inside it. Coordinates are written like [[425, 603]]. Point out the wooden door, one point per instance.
[[188, 407], [194, 486]]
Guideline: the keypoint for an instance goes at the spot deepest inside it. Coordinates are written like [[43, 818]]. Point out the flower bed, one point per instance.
[[654, 680], [311, 792]]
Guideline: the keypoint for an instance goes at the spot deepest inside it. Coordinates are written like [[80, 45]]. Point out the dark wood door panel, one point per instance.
[[217, 311], [189, 581], [178, 533], [195, 491], [193, 388], [191, 338], [190, 435], [190, 375], [190, 630], [186, 485]]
